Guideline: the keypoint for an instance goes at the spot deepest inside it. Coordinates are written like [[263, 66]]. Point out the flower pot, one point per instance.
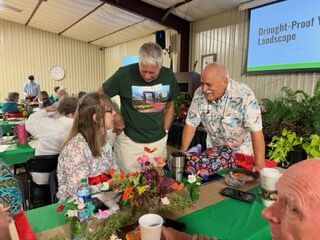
[[296, 156]]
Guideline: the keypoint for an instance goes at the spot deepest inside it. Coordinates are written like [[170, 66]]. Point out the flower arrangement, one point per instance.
[[194, 186], [143, 191], [148, 187]]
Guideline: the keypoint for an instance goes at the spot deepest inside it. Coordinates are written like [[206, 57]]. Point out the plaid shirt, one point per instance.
[[230, 120]]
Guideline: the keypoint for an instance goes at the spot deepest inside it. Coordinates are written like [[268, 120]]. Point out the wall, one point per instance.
[[113, 55], [25, 51], [226, 34]]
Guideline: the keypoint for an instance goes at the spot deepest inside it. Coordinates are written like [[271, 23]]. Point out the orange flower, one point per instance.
[[122, 175], [177, 186], [127, 192], [160, 161], [148, 150], [203, 171], [111, 171]]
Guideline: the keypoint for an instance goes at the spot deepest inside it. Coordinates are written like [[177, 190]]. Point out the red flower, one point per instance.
[[127, 192], [60, 208]]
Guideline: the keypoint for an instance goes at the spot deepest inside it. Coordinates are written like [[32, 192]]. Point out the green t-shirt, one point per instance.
[[142, 103]]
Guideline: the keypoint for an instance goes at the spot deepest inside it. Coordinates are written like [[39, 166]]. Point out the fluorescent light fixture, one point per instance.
[[253, 4]]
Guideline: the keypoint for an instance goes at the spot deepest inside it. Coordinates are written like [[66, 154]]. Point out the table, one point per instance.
[[17, 153], [7, 126], [213, 215]]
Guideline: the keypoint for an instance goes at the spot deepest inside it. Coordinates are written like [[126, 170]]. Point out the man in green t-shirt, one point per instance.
[[147, 91]]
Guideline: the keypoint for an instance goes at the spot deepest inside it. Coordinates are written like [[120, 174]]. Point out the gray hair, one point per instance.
[[67, 105], [13, 97], [150, 53]]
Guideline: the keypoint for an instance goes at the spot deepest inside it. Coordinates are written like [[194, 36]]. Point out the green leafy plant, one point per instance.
[[294, 110], [312, 146], [282, 145]]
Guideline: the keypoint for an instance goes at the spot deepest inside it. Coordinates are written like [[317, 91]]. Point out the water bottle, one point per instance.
[[84, 191]]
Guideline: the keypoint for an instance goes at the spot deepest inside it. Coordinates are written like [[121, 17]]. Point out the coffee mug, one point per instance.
[[150, 226], [269, 177]]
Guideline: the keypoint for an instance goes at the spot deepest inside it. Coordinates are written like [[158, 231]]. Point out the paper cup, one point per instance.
[[150, 226], [269, 178]]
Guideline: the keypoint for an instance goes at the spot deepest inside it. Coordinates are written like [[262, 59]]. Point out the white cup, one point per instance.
[[150, 226], [269, 178]]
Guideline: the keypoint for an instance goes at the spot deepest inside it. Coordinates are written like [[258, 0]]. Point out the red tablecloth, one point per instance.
[[23, 227], [247, 161]]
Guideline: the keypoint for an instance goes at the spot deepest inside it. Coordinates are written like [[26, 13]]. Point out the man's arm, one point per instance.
[[118, 122], [187, 136], [258, 146], [168, 115]]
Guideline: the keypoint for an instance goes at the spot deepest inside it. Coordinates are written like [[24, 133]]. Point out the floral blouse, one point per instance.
[[76, 162], [230, 120]]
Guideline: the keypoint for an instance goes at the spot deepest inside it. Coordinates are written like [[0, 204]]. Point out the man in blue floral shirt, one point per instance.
[[229, 112]]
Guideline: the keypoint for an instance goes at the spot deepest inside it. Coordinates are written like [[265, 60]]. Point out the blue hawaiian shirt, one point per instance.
[[229, 120]]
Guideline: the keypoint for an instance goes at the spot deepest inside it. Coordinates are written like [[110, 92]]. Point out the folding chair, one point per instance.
[[40, 164], [53, 185]]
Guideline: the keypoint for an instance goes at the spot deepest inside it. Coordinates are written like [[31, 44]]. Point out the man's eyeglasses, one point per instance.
[[109, 110]]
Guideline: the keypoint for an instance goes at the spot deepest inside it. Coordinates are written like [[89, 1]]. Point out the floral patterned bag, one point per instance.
[[210, 161]]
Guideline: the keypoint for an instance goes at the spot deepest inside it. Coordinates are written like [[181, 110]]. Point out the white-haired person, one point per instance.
[[147, 91]]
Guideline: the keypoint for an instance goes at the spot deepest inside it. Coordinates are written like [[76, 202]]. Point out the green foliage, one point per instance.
[[312, 146], [182, 98], [281, 145], [294, 110]]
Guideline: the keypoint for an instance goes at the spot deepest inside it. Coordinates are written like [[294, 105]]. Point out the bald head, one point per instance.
[[304, 177], [214, 81], [295, 214]]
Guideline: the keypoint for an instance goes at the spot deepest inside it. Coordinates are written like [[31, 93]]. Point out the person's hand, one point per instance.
[[50, 108], [172, 234], [258, 167], [118, 124], [4, 217]]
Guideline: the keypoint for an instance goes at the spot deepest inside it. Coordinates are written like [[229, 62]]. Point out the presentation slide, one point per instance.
[[126, 60], [284, 36]]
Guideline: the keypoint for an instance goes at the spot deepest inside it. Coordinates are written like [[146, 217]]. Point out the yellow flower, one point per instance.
[[142, 189]]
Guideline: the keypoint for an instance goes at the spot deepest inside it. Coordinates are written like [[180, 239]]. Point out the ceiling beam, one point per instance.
[[156, 14]]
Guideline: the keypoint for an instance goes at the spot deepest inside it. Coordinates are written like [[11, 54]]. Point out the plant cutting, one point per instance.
[[282, 145]]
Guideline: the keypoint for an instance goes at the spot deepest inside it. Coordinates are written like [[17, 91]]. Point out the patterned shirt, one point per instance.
[[31, 88], [76, 162], [229, 120]]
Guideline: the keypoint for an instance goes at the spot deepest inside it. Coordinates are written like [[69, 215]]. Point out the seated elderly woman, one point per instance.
[[44, 100], [87, 151], [12, 103], [51, 132]]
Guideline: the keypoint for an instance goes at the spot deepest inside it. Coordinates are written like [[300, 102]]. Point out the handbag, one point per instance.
[[210, 161]]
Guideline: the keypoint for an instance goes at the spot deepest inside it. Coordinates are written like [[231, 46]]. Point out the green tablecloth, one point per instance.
[[17, 154], [45, 218], [228, 219], [7, 126]]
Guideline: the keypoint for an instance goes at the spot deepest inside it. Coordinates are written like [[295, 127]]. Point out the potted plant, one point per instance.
[[312, 146], [282, 147]]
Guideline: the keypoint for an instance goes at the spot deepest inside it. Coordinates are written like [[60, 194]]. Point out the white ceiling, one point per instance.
[[102, 24]]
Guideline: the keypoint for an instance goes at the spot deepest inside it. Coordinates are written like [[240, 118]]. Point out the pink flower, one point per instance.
[[165, 201], [143, 159], [160, 161]]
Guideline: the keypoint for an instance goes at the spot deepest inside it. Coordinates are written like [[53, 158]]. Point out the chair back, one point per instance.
[[53, 185], [44, 163], [39, 195]]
